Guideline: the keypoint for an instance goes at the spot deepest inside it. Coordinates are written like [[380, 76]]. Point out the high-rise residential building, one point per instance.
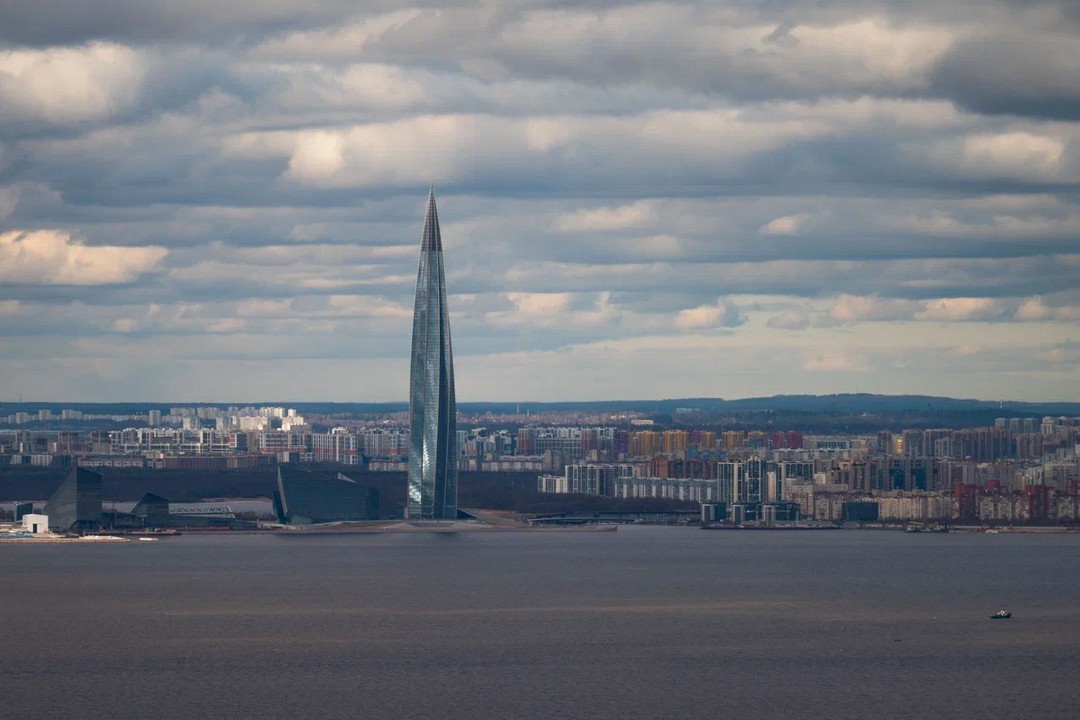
[[526, 441], [675, 441], [743, 482], [705, 439], [433, 439], [734, 439], [644, 443]]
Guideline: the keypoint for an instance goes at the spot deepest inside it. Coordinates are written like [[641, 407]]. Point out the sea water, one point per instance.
[[645, 622]]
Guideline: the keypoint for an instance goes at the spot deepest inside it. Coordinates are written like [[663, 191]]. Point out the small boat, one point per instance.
[[1001, 615]]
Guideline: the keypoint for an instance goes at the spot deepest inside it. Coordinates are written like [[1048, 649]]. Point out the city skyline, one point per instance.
[[648, 200], [433, 451]]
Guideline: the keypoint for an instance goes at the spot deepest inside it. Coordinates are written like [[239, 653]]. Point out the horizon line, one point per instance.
[[405, 402]]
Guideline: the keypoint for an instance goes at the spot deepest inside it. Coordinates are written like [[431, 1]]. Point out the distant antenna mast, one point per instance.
[[1001, 401]]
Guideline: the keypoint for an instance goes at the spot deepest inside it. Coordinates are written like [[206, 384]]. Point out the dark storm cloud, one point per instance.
[[53, 22], [1033, 76]]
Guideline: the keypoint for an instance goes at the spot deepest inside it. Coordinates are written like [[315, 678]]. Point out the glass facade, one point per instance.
[[154, 510], [433, 439], [76, 504], [305, 497]]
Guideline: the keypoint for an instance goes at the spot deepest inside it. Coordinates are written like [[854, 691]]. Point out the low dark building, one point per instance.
[[780, 512], [22, 508], [713, 512], [859, 511], [76, 504], [744, 512], [305, 497], [116, 520], [154, 511], [768, 513]]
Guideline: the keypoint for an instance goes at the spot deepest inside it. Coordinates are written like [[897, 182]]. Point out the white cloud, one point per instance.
[[790, 320], [787, 225], [226, 326], [363, 87], [539, 304], [870, 112], [533, 309], [68, 85], [348, 41], [295, 278], [831, 361], [1035, 309], [124, 325], [959, 309], [857, 308], [564, 311], [606, 218], [413, 150], [718, 46], [724, 313], [421, 149], [861, 55], [52, 257], [1020, 153], [542, 135], [703, 316], [316, 155], [850, 309]]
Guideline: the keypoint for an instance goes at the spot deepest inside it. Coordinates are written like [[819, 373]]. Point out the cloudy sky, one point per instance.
[[222, 201]]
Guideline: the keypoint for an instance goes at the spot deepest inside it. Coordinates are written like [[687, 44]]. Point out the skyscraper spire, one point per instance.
[[433, 454], [432, 239]]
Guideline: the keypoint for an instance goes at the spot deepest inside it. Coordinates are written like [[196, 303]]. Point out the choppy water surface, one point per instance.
[[646, 622]]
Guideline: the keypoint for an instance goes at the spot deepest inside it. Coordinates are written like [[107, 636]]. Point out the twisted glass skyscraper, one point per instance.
[[433, 452]]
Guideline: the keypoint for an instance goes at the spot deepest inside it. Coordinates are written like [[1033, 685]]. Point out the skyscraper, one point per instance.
[[433, 451]]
